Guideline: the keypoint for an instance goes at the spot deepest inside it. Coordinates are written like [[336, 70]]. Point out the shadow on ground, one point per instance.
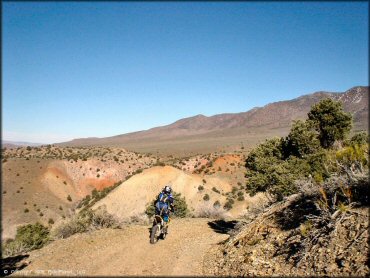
[[12, 264], [222, 226]]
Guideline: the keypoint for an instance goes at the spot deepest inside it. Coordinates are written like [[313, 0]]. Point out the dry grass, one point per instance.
[[86, 221], [13, 248], [138, 218], [207, 210]]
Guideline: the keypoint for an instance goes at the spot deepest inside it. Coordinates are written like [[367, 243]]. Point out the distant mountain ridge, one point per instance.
[[13, 144], [274, 118]]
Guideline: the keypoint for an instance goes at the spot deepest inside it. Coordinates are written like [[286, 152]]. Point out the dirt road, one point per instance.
[[128, 252]]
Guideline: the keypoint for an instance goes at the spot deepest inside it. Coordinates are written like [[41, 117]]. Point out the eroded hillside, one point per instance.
[[46, 183], [49, 183]]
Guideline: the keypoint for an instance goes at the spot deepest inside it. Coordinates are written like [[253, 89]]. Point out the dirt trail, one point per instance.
[[128, 252]]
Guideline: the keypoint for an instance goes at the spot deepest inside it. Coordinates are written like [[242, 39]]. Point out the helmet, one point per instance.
[[167, 189]]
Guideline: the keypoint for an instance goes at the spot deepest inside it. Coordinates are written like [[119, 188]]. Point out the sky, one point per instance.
[[94, 69]]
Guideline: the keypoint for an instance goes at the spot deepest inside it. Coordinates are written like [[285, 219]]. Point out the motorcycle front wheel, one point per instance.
[[164, 232], [155, 234]]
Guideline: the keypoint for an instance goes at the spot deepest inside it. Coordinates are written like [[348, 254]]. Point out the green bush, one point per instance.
[[181, 207], [32, 236], [216, 190], [240, 196], [360, 138], [150, 209], [138, 171], [228, 205], [217, 204]]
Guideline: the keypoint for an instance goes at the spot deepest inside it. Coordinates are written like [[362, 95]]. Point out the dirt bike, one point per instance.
[[159, 229]]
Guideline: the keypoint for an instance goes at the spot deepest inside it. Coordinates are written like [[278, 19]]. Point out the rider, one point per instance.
[[164, 203]]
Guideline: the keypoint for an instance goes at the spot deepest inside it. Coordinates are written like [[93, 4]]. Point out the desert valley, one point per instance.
[[227, 227]]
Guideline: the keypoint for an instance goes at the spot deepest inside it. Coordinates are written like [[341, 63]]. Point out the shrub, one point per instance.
[[351, 157], [217, 204], [140, 218], [240, 196], [86, 220], [206, 197], [26, 210], [150, 209], [32, 236], [360, 138], [51, 221], [181, 207], [159, 163], [138, 171], [229, 205], [200, 188], [69, 198], [12, 248], [216, 190], [84, 202], [207, 210], [102, 219]]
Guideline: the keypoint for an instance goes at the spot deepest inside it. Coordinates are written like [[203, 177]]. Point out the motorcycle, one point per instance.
[[159, 229]]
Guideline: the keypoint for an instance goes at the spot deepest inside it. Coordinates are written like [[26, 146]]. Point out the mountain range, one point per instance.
[[201, 133], [14, 144]]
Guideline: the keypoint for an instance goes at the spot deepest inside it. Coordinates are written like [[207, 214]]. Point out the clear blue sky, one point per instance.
[[81, 69]]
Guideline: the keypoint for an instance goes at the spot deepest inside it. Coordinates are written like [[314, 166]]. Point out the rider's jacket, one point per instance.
[[165, 198]]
